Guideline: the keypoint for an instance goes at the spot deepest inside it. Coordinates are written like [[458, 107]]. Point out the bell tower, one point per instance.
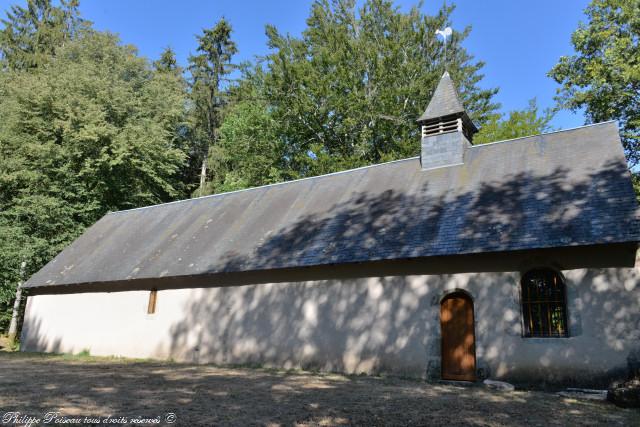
[[446, 129]]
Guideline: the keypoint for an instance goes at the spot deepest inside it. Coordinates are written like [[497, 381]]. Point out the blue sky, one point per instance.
[[519, 40]]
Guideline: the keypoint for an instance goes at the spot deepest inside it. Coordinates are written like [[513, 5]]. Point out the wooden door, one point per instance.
[[458, 338]]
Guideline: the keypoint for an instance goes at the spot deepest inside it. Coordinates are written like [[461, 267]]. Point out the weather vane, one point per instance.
[[445, 33]]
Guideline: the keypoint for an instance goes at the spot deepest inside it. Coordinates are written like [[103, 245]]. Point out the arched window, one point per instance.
[[544, 308]]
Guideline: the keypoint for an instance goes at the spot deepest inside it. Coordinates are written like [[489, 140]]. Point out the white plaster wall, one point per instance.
[[351, 325]]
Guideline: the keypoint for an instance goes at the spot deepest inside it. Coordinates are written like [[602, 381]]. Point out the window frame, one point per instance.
[[528, 327], [152, 304]]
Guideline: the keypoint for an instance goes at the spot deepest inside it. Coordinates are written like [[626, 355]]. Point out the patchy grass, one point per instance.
[[82, 385], [7, 345], [83, 356]]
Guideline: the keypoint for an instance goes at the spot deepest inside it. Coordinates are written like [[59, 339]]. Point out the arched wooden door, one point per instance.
[[458, 338]]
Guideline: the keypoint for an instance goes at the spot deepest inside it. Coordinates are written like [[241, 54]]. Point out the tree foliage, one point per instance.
[[518, 123], [603, 76], [31, 34], [249, 151], [95, 130], [167, 62], [348, 92]]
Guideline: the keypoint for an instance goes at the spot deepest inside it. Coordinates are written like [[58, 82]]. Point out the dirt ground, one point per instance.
[[149, 392]]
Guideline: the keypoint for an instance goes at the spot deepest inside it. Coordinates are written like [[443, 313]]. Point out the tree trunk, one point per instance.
[[203, 170], [13, 326], [203, 177]]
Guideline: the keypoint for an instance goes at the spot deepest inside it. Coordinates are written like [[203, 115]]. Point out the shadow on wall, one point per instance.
[[353, 326], [603, 308], [33, 339], [392, 323]]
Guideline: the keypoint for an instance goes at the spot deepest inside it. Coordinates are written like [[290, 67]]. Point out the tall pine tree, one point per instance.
[[210, 71], [167, 62], [31, 34]]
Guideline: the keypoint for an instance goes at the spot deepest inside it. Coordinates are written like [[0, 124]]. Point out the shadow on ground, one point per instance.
[[205, 395]]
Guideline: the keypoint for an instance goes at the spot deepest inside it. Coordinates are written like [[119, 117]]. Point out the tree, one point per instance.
[[209, 74], [249, 152], [171, 74], [31, 34], [603, 77], [519, 123], [347, 92], [167, 62], [93, 131]]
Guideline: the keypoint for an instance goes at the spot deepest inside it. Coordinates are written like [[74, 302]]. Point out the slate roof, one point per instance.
[[560, 189], [444, 102]]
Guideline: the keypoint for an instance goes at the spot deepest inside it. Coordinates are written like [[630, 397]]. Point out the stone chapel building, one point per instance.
[[513, 260]]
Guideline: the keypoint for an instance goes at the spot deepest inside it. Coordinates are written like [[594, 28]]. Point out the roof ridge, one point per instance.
[[543, 134], [266, 185]]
